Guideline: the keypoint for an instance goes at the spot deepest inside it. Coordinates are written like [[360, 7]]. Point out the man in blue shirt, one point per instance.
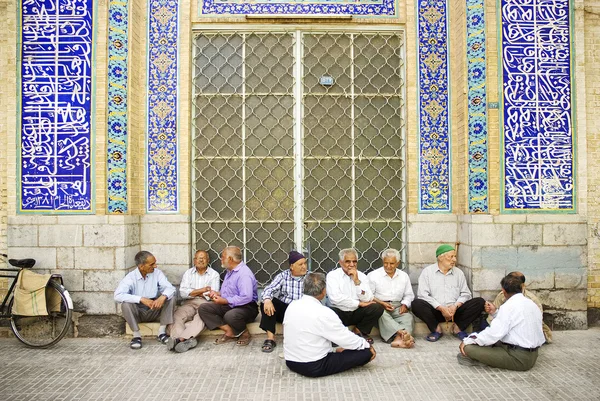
[[146, 295]]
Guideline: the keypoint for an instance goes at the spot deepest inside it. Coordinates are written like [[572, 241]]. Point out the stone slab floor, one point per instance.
[[106, 369]]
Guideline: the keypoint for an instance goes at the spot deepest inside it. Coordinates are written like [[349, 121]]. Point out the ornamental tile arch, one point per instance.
[[360, 8], [538, 136], [433, 106], [162, 148], [118, 48], [55, 94]]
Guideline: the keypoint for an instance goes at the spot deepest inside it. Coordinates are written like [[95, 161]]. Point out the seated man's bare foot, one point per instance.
[[403, 340]]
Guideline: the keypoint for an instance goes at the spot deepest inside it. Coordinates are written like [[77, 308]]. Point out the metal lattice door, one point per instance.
[[299, 144]]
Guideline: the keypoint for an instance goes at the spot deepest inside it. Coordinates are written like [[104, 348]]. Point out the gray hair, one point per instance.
[[391, 253], [234, 252], [314, 284], [346, 251], [141, 257]]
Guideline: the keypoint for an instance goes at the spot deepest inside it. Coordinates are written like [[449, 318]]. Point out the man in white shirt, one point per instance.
[[196, 284], [350, 295], [145, 295], [444, 296], [392, 289], [513, 339], [309, 328], [490, 308]]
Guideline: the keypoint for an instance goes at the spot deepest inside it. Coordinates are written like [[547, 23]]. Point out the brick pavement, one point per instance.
[[106, 369]]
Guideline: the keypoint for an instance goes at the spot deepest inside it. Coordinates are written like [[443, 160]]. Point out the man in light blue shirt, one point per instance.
[[146, 295]]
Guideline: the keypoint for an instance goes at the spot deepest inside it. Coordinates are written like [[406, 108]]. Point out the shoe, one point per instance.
[[466, 361], [136, 343], [162, 338], [186, 345], [171, 342]]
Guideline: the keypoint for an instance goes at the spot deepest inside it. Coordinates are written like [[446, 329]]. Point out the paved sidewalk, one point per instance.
[[106, 369]]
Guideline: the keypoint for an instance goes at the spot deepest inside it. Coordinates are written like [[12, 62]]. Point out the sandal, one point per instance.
[[244, 339], [162, 338], [223, 339], [461, 335], [136, 343], [434, 336], [268, 346]]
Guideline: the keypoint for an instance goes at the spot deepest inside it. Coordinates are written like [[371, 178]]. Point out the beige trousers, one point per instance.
[[186, 321]]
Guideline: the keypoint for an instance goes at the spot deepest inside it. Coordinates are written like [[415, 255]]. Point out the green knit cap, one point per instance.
[[443, 249]]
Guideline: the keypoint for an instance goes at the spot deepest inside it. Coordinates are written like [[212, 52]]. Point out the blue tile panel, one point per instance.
[[434, 132], [243, 7], [538, 172], [116, 163], [477, 108], [162, 106], [56, 99]]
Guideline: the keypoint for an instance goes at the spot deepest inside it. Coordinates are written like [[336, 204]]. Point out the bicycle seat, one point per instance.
[[22, 263]]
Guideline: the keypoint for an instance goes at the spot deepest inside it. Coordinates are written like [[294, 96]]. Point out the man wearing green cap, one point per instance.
[[443, 296]]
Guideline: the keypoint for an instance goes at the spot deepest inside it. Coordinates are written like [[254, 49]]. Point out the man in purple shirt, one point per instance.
[[235, 305]]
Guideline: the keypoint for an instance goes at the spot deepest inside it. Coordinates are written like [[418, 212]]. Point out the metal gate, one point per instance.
[[299, 143]]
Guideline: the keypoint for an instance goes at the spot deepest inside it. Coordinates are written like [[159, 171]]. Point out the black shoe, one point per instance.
[[136, 343]]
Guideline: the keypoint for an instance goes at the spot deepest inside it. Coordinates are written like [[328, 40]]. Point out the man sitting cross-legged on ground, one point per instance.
[[309, 328], [513, 339], [235, 306], [491, 308], [285, 288], [145, 295], [392, 289], [195, 287], [443, 296], [350, 295]]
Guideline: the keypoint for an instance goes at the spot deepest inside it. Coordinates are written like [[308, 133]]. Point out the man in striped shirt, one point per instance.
[[285, 288], [196, 284]]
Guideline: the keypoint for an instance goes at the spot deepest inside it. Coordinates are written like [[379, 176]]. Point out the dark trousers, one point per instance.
[[363, 318], [268, 323], [463, 317], [334, 362], [215, 315]]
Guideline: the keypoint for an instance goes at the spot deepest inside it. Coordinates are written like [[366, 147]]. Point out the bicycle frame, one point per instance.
[[3, 271]]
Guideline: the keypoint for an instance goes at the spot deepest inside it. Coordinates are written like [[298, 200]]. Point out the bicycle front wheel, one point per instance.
[[44, 331]]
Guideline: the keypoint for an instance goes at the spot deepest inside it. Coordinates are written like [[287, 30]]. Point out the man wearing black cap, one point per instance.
[[445, 297], [285, 288]]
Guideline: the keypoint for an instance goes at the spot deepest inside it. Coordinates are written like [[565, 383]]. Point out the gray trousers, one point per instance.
[[502, 356], [186, 321], [390, 322], [140, 313]]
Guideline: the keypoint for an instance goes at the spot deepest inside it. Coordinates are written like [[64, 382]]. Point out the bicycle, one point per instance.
[[38, 331]]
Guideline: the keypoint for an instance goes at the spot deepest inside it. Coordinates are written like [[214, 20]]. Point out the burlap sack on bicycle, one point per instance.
[[30, 294]]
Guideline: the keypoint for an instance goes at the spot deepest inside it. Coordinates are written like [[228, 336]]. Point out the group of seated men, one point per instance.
[[295, 298]]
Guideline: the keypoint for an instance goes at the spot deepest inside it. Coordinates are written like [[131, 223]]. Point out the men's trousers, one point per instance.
[[186, 321], [463, 316], [140, 313], [334, 362], [215, 315], [269, 323], [502, 356], [391, 322], [363, 318]]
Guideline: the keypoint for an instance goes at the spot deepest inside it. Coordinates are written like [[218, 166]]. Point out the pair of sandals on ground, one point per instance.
[[136, 342], [402, 340], [456, 331]]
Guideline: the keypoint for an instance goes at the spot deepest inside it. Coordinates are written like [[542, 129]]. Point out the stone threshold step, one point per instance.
[[151, 330]]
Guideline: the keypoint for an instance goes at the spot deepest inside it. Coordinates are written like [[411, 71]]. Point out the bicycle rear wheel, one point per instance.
[[44, 331]]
